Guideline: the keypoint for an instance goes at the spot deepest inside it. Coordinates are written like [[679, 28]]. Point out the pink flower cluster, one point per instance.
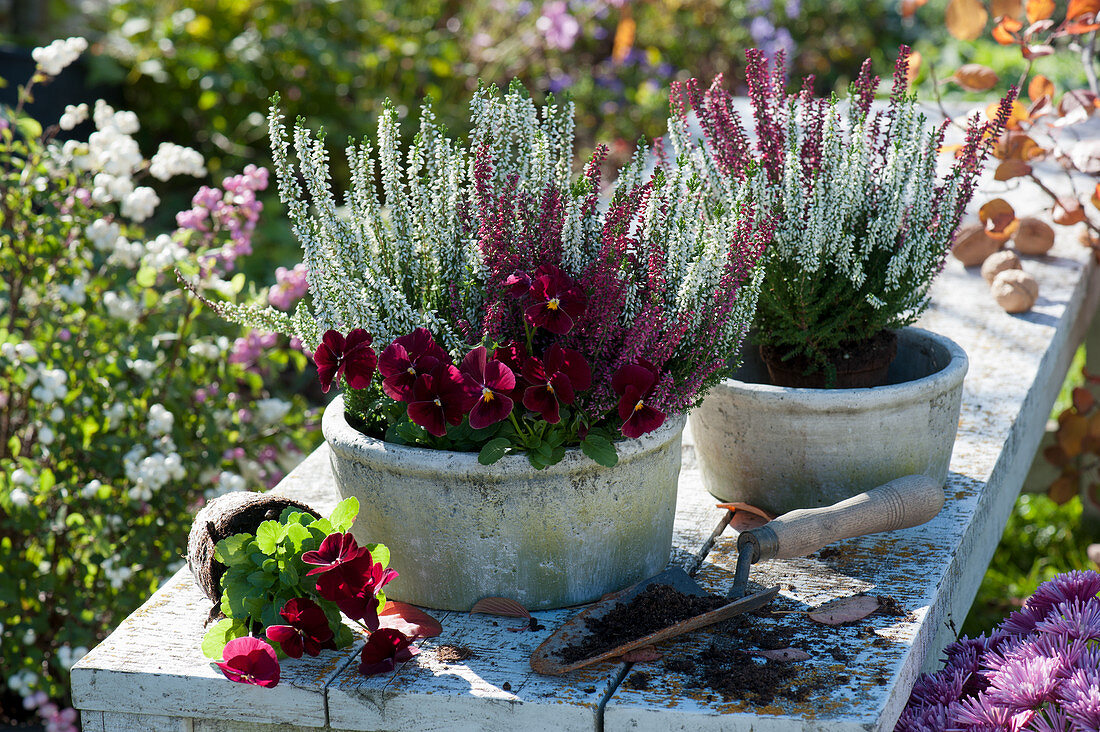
[[290, 286], [233, 209], [1040, 670], [248, 349]]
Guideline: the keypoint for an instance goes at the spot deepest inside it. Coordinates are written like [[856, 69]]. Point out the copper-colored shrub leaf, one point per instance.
[[1017, 114], [1010, 169], [645, 654], [409, 619], [1096, 196], [500, 606], [975, 77], [845, 610], [1011, 8], [999, 219], [1094, 425], [965, 19], [1083, 400], [1005, 31], [1094, 551], [1071, 431], [1039, 87], [785, 654], [909, 7], [1055, 455], [1037, 50], [1017, 145], [1039, 10], [1068, 212], [1063, 489], [1077, 8]]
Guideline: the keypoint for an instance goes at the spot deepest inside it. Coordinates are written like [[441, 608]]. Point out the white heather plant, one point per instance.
[[863, 222], [497, 244]]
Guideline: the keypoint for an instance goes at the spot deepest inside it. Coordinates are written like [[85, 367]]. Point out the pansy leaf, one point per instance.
[[380, 553], [600, 449], [219, 634], [493, 450], [344, 514], [288, 575], [268, 535], [296, 536], [254, 606], [270, 615], [344, 636], [232, 548], [322, 525], [260, 579]]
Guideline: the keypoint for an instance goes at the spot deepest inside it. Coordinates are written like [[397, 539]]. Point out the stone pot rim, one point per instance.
[[352, 444], [867, 397]]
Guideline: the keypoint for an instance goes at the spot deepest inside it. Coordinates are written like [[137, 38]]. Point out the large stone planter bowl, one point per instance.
[[780, 448], [459, 531]]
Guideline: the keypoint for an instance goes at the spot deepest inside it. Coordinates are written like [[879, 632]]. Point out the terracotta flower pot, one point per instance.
[[459, 531], [783, 448]]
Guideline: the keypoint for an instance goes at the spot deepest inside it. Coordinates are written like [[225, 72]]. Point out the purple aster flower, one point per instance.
[[1080, 697], [1051, 719], [1023, 621], [1025, 682], [1079, 585], [982, 713], [1075, 619], [940, 688]]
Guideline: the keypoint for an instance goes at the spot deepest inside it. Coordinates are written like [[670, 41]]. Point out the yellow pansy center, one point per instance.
[[552, 303], [487, 394]]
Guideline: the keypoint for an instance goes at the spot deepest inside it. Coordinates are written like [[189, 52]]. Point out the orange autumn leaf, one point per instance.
[[999, 219], [1039, 87], [1068, 212], [1010, 169], [1064, 489], [1039, 10], [1005, 31], [1096, 196], [1070, 433], [1076, 28], [913, 69], [965, 19], [975, 77], [1009, 8], [624, 39], [909, 7], [1077, 8], [1015, 145]]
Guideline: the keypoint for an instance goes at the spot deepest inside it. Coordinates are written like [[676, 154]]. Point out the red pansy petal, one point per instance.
[[474, 363], [563, 388], [290, 639], [643, 421], [488, 411], [554, 320], [428, 415], [399, 387], [325, 374], [574, 365], [250, 660], [356, 338], [634, 375], [628, 401], [499, 377], [540, 399], [394, 361], [359, 367]]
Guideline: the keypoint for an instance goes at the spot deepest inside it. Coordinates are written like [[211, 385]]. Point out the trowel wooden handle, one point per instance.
[[901, 503]]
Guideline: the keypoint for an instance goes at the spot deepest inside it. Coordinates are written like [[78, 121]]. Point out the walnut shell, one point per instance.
[[1033, 237], [998, 262], [973, 245], [1015, 290]]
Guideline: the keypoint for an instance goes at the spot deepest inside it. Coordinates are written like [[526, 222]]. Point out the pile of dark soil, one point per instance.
[[656, 607]]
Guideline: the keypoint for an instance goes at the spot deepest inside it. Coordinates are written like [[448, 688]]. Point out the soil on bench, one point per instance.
[[656, 607]]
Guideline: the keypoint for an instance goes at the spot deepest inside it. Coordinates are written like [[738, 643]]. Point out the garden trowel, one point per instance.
[[899, 504]]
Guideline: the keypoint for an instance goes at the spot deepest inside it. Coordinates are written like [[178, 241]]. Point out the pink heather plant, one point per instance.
[[513, 306], [1040, 670], [863, 222]]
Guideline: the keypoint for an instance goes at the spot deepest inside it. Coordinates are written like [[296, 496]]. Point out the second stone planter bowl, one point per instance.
[[459, 531], [781, 448]]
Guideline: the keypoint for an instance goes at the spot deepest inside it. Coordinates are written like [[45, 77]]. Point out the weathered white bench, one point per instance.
[[150, 675]]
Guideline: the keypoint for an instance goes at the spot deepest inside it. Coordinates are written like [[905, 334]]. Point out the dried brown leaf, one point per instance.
[[785, 654], [1010, 8], [1010, 169], [965, 19], [1075, 106], [410, 620], [1071, 431], [500, 606], [746, 516], [999, 219], [975, 77], [845, 610], [1056, 456], [1063, 489], [1068, 212], [1083, 400], [1096, 196], [1039, 87]]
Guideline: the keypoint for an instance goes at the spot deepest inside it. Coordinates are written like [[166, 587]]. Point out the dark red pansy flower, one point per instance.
[[634, 382], [513, 356], [250, 660], [440, 398], [557, 300], [350, 357], [384, 650], [354, 587], [492, 382], [336, 549], [554, 381], [518, 284], [407, 358], [307, 631]]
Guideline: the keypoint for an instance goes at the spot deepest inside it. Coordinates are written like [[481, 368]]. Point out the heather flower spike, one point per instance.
[[635, 384], [250, 660], [307, 629], [493, 382], [350, 357], [384, 650]]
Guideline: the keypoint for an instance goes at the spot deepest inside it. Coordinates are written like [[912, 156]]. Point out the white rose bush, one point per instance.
[[124, 404]]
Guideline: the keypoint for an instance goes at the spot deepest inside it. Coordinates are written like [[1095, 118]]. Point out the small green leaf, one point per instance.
[[601, 450], [146, 277], [380, 553], [494, 450], [323, 525], [297, 535], [29, 127], [268, 535], [344, 514], [225, 630], [231, 549], [288, 575]]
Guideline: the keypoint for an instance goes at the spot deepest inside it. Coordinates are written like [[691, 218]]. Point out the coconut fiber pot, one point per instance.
[[782, 448], [459, 531]]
